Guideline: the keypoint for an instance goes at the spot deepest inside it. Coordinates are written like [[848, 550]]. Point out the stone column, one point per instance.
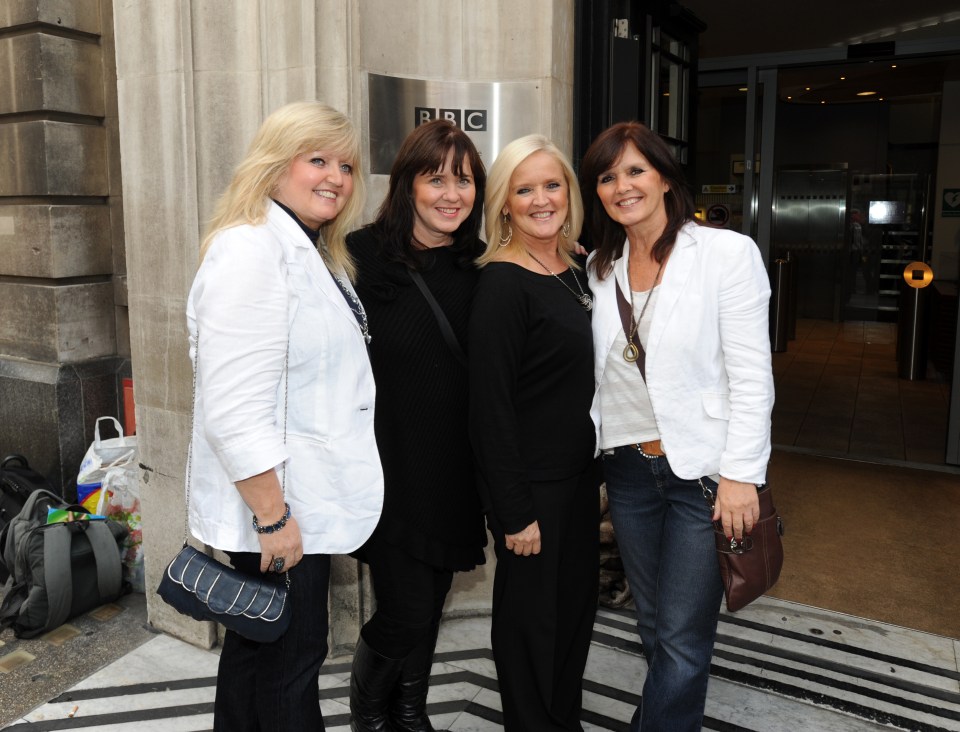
[[63, 318], [195, 79]]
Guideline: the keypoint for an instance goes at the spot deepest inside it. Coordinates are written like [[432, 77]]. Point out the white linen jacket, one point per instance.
[[708, 361], [258, 288]]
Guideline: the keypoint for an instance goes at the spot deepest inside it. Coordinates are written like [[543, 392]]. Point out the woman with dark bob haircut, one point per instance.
[[423, 242], [682, 405]]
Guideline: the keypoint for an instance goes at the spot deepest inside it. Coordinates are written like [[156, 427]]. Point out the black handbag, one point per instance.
[[750, 566], [197, 585]]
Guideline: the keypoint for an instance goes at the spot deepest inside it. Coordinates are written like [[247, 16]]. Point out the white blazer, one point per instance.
[[258, 288], [708, 353]]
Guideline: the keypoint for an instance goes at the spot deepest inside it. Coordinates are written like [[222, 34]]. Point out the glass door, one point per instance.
[[732, 172]]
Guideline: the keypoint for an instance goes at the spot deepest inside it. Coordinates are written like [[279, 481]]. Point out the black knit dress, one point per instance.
[[431, 506]]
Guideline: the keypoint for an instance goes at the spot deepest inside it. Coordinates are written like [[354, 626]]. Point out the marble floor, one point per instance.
[[777, 666]]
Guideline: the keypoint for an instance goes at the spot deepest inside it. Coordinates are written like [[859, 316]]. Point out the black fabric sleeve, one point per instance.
[[498, 333]]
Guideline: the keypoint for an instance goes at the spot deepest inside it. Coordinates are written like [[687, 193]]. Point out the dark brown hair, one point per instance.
[[425, 150], [606, 235]]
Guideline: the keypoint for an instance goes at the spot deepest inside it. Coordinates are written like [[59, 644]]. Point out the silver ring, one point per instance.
[[278, 563]]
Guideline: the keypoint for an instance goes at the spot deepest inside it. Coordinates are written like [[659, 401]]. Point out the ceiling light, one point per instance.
[[893, 66], [866, 93], [743, 88], [807, 88], [843, 78]]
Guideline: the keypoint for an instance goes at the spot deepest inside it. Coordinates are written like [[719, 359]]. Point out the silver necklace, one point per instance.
[[583, 298], [631, 353], [357, 308]]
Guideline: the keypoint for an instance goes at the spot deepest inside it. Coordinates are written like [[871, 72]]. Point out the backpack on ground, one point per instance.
[[17, 481], [58, 570]]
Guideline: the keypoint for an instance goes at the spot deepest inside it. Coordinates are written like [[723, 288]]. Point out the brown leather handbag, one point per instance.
[[750, 566]]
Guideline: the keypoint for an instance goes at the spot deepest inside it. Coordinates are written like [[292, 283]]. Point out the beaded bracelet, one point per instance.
[[272, 527]]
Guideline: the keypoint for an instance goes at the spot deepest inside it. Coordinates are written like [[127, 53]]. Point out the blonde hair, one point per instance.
[[291, 131], [498, 189]]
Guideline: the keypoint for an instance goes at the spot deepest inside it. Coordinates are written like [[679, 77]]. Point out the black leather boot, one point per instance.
[[372, 681], [408, 705]]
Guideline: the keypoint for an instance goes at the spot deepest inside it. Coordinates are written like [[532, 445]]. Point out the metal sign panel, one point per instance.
[[492, 113]]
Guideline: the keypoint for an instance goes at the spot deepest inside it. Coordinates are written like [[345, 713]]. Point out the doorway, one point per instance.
[[841, 186]]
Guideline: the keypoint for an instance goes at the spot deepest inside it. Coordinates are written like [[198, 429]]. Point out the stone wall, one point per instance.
[[63, 317], [195, 79]]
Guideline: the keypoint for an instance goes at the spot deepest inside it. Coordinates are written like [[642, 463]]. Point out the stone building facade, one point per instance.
[[195, 78], [64, 340]]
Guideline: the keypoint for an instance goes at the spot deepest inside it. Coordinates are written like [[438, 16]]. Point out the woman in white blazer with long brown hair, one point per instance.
[[283, 431], [682, 406]]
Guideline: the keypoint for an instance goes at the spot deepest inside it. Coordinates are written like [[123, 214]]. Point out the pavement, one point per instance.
[[36, 670], [778, 667]]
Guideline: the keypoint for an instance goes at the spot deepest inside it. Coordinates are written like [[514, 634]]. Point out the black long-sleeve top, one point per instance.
[[531, 386], [431, 507]]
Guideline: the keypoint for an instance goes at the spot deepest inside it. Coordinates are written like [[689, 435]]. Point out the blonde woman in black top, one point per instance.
[[531, 384]]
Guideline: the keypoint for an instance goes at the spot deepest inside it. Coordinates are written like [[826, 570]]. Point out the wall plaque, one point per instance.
[[492, 113]]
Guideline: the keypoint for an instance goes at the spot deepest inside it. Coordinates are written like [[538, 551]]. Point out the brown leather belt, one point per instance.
[[650, 449]]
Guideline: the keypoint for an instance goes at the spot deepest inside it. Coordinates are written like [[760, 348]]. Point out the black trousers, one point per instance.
[[544, 608], [410, 596], [273, 687]]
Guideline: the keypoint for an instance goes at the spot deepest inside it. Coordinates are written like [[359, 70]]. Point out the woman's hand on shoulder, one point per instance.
[[737, 507], [526, 542], [286, 544]]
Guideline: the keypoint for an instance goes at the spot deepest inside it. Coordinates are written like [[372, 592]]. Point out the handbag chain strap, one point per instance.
[[193, 425], [707, 493]]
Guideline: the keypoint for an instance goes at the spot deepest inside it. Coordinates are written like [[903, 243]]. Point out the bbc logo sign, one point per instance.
[[468, 120]]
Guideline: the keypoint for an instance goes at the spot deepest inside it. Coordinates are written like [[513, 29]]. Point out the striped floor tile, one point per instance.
[[777, 666]]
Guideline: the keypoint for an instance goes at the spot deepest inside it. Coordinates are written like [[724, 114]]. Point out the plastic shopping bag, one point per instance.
[[105, 454], [113, 464]]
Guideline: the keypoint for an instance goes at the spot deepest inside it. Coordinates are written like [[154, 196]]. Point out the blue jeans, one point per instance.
[[273, 687], [663, 529]]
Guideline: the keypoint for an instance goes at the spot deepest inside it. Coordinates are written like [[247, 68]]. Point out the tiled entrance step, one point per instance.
[[777, 666]]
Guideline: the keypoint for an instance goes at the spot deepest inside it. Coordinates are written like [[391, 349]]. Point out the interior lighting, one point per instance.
[[893, 66], [742, 88], [843, 78], [866, 93], [807, 88]]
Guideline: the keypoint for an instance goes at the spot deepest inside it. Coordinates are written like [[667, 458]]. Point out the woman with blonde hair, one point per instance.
[[285, 469], [531, 384]]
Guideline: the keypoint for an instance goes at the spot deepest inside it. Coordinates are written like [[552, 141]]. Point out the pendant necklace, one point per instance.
[[631, 353], [583, 298]]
